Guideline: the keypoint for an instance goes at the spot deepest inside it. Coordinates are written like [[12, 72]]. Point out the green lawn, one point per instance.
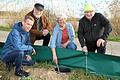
[[114, 38], [5, 28]]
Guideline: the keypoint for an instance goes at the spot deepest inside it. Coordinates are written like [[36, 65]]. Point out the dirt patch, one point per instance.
[[44, 74], [36, 73]]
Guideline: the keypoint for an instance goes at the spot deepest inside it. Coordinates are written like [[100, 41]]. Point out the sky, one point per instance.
[[69, 7]]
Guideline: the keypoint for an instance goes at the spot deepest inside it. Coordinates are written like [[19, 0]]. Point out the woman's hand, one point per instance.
[[55, 59]]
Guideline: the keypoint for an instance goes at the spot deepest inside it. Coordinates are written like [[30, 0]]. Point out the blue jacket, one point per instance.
[[18, 39], [57, 35]]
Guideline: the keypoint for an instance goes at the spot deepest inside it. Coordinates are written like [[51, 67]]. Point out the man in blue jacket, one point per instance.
[[18, 46]]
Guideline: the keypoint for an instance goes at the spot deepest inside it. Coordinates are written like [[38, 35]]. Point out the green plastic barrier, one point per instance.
[[93, 62]]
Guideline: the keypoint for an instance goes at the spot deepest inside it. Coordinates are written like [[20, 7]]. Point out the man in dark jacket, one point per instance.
[[93, 30], [18, 46], [41, 27]]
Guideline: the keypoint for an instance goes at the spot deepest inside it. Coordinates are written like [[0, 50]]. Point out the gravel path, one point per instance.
[[113, 48]]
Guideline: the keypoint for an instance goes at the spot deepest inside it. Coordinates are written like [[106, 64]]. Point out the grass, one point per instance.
[[43, 68], [5, 28], [45, 64], [81, 75], [114, 38]]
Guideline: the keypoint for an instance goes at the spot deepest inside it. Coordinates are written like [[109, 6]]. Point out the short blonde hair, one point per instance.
[[62, 16], [29, 17]]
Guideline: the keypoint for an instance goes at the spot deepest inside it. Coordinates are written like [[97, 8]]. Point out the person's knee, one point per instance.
[[21, 54], [71, 45]]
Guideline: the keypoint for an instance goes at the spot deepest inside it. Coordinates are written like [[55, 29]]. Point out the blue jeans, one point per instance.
[[17, 57], [71, 45]]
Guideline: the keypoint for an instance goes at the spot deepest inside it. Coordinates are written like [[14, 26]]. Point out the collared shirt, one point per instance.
[[57, 35], [39, 24], [65, 36]]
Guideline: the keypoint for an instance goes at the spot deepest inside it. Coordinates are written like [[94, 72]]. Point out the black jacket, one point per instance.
[[91, 31]]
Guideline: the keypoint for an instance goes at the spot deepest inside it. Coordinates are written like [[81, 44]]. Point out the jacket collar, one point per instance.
[[20, 28]]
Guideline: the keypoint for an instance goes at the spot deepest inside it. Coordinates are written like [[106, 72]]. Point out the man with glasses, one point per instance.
[[93, 30], [41, 27]]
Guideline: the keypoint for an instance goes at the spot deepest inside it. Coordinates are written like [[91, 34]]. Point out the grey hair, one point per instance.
[[62, 16]]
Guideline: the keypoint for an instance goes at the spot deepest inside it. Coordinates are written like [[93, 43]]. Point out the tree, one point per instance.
[[114, 9]]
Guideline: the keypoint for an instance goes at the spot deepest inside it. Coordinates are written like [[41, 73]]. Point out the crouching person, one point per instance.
[[18, 46], [63, 36]]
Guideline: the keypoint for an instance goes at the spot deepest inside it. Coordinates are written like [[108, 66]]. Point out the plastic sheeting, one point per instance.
[[93, 62]]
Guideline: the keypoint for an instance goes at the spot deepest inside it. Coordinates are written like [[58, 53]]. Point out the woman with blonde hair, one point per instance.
[[63, 36]]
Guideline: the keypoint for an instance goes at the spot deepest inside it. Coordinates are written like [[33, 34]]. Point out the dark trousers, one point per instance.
[[92, 47], [18, 58], [71, 45], [46, 39]]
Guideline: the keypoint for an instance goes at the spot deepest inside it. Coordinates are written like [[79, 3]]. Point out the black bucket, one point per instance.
[[62, 69]]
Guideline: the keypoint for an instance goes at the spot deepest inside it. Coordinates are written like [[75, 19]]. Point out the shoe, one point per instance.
[[22, 73]]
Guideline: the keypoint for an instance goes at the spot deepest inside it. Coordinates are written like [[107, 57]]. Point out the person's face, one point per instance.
[[89, 14], [27, 24], [37, 13], [61, 22]]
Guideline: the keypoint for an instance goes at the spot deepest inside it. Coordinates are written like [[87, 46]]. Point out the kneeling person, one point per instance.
[[18, 46], [63, 36]]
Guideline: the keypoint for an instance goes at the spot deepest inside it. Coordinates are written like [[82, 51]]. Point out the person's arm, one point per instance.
[[28, 42], [54, 56], [46, 24], [81, 34], [107, 27], [54, 37], [53, 44]]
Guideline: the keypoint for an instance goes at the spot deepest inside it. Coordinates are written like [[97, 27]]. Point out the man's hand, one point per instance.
[[45, 32], [55, 59], [84, 49], [100, 42], [28, 57], [33, 52]]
